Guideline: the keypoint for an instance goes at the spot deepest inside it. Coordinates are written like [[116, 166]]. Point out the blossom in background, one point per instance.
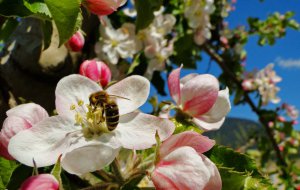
[[80, 135], [40, 182], [199, 98], [182, 165], [76, 42], [197, 12], [265, 82], [18, 119], [157, 47], [291, 111], [98, 71], [115, 44], [103, 7]]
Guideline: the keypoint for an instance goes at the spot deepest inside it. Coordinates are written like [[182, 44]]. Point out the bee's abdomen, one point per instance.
[[111, 115]]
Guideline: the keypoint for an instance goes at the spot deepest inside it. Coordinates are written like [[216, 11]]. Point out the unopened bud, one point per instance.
[[97, 71], [42, 181], [103, 7], [76, 42]]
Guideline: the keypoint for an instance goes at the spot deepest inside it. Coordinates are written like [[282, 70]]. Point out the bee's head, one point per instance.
[[98, 97]]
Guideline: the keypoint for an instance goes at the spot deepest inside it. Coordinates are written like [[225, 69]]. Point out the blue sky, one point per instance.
[[286, 49]]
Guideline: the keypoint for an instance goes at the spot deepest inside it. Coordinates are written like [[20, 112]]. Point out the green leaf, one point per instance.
[[65, 14], [226, 157], [182, 125], [56, 172], [185, 52], [12, 8], [19, 175], [38, 7], [7, 168], [145, 9]]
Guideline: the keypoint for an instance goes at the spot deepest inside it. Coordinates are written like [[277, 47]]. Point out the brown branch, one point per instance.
[[219, 60]]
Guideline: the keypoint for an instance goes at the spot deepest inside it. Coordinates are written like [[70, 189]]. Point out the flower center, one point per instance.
[[91, 119]]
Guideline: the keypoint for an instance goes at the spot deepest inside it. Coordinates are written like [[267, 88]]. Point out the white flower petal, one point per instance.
[[208, 126], [88, 156], [135, 88], [44, 142], [137, 130], [219, 109], [72, 89], [32, 113], [181, 169]]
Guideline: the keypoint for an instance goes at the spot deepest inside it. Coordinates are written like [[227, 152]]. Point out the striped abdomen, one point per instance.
[[111, 115]]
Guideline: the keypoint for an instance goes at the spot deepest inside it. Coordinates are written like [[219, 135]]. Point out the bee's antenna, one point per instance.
[[119, 97]]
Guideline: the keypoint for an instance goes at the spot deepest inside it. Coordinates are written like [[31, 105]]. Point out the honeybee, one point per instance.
[[110, 110]]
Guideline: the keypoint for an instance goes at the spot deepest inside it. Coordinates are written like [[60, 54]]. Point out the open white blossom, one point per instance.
[[80, 135], [115, 44], [197, 12], [157, 47]]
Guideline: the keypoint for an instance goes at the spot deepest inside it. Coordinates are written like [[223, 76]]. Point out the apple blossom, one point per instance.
[[197, 12], [103, 7], [115, 44], [181, 164], [18, 119], [80, 135], [40, 182], [98, 71], [76, 42], [199, 99], [266, 80], [291, 111]]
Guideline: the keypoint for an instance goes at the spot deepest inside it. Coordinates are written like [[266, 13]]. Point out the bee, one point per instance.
[[110, 110]]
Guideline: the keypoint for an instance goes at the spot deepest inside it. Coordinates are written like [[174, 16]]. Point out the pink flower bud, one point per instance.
[[40, 182], [98, 71], [103, 7], [281, 119], [19, 118], [76, 42]]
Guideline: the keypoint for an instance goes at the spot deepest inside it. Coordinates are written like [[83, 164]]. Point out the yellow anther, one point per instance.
[[78, 118], [80, 103], [72, 107]]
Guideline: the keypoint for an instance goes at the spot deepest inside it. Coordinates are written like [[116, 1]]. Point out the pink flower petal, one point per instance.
[[43, 142], [4, 152], [174, 85], [215, 181], [181, 169], [188, 77], [40, 182], [137, 130], [32, 113], [72, 89], [135, 88], [219, 110], [192, 139], [199, 94]]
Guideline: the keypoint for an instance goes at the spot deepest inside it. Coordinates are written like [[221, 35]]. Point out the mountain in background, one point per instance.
[[235, 132]]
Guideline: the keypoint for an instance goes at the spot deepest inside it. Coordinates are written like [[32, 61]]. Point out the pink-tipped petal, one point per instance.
[[40, 182], [219, 110], [32, 113], [181, 169], [215, 181], [43, 142], [199, 94], [188, 77], [192, 139], [174, 85], [72, 89], [136, 91], [4, 152], [208, 126], [137, 130]]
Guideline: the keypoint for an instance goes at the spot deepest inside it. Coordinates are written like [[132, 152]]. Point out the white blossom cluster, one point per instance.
[[265, 82]]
